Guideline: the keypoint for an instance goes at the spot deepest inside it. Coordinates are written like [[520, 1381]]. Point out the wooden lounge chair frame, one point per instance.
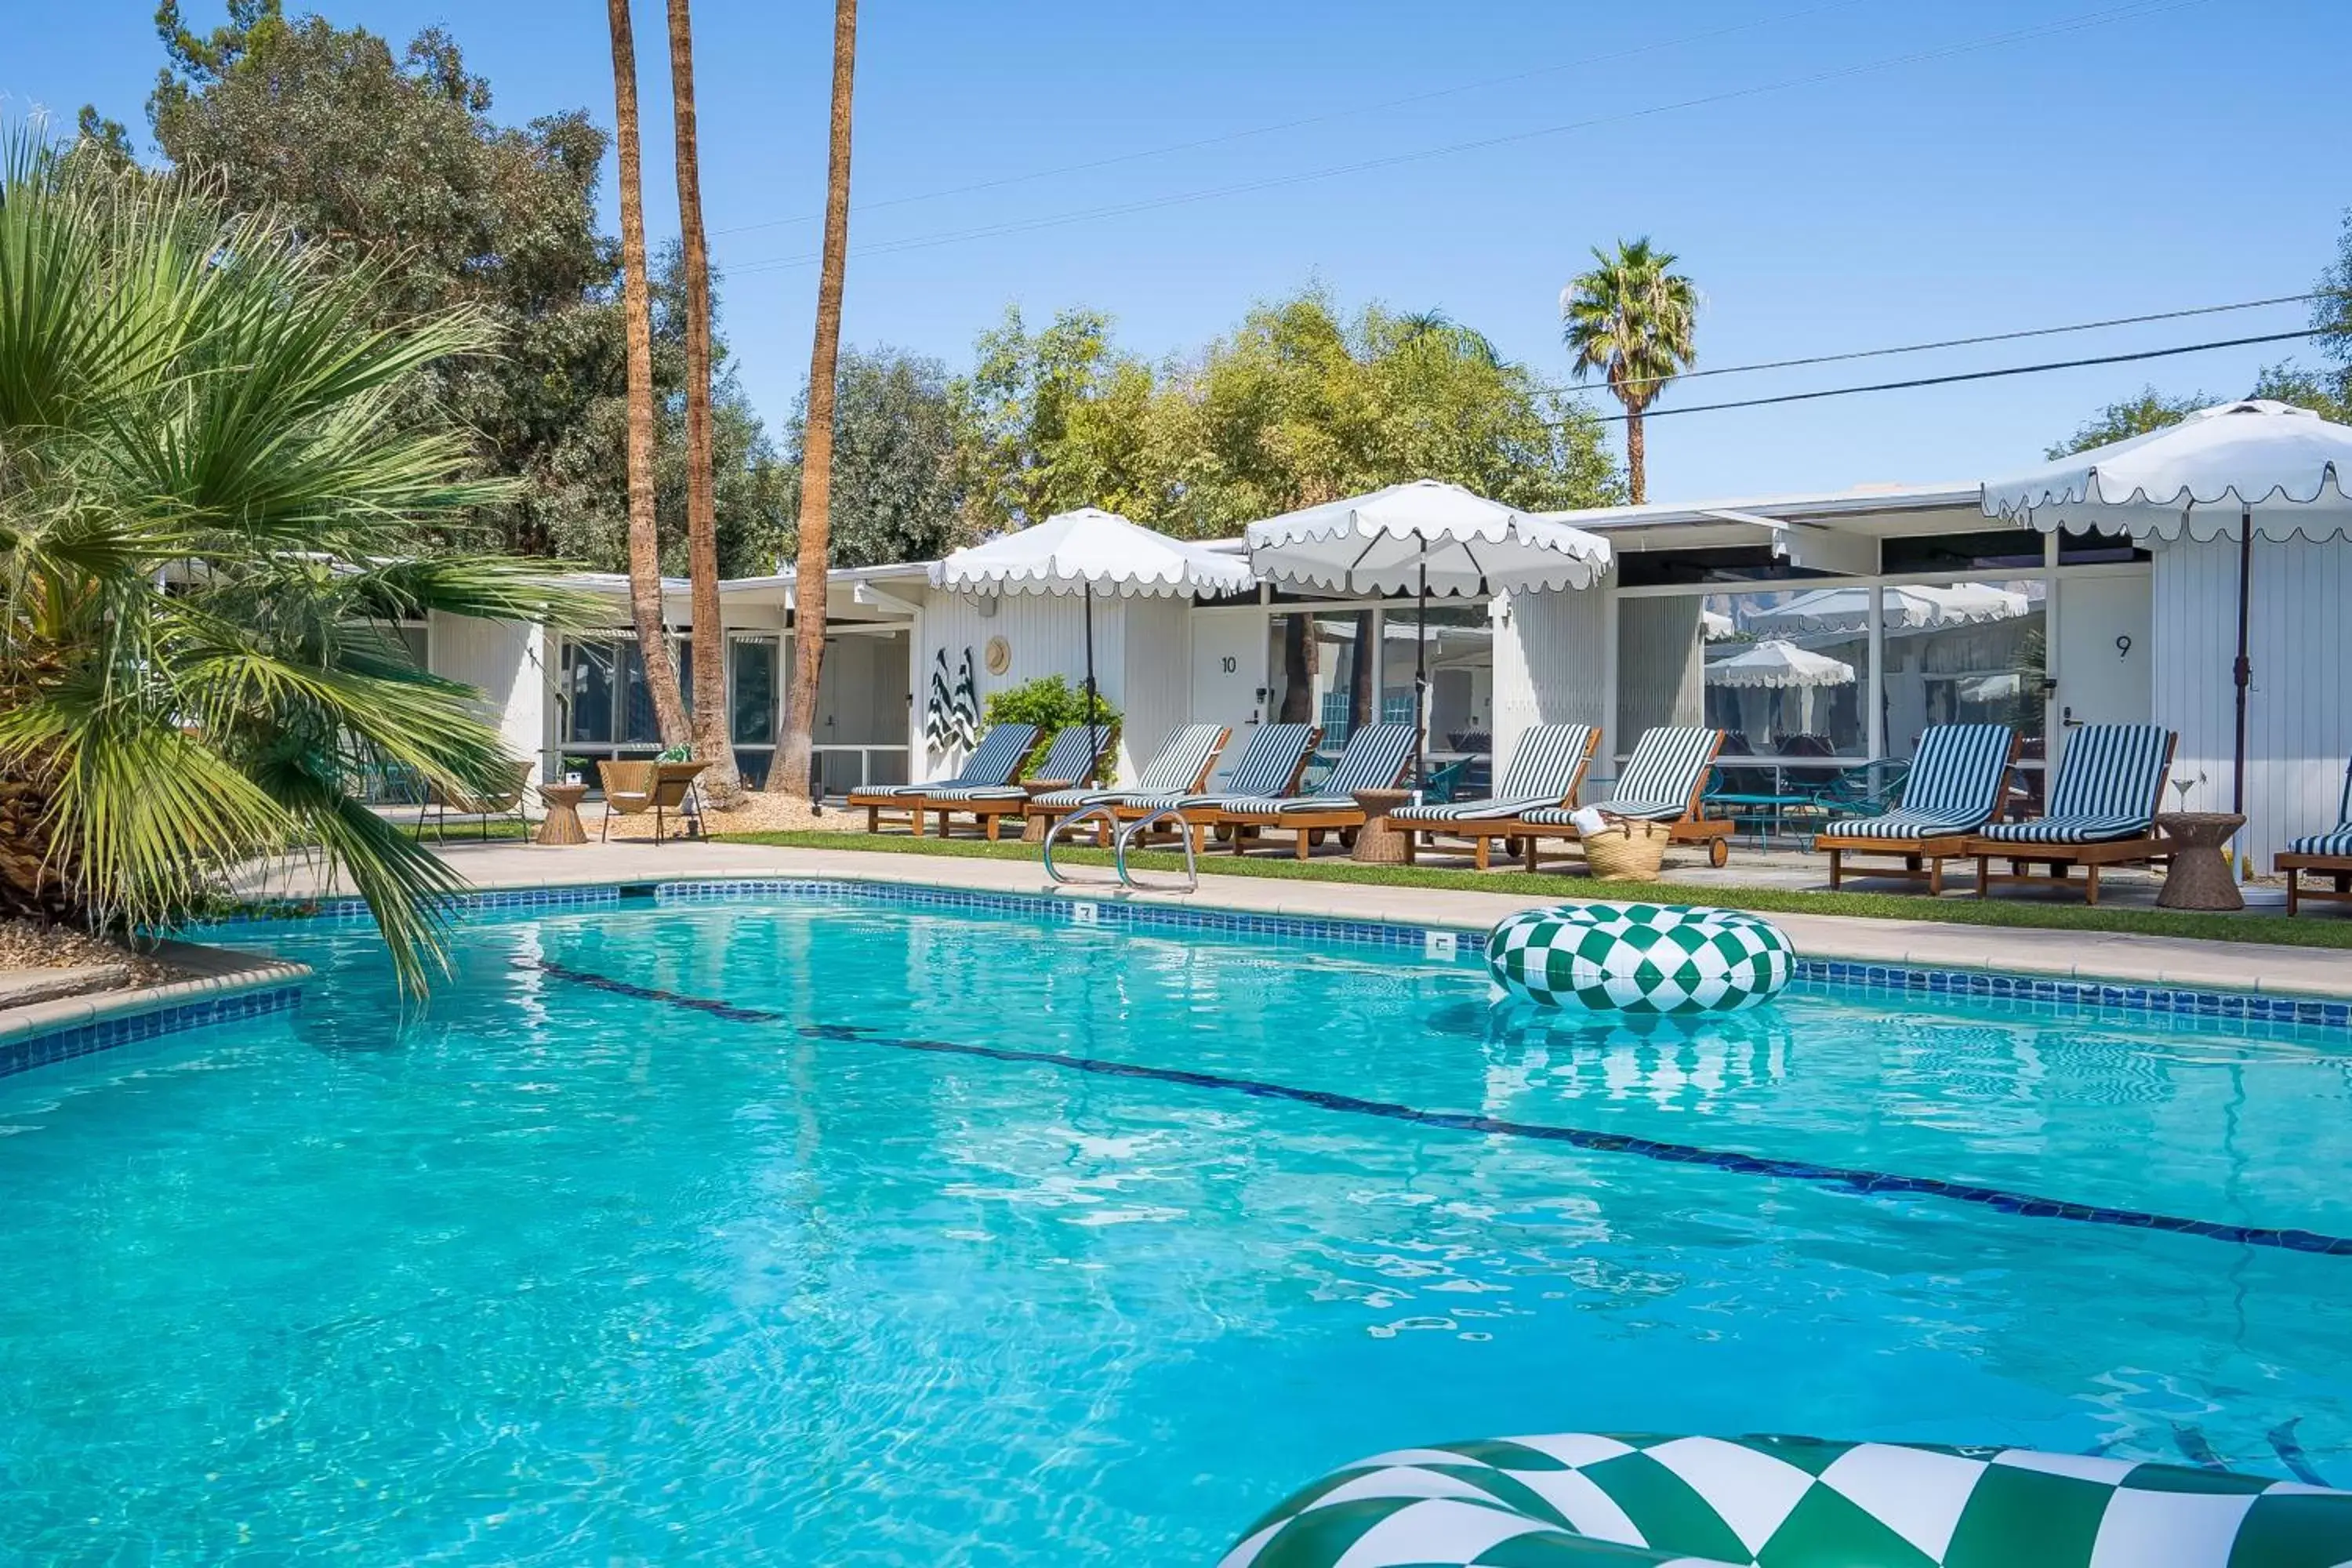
[[915, 807], [1309, 826], [1923, 858], [2295, 867], [1481, 833], [1200, 781], [1200, 820], [988, 815], [631, 789], [1694, 826], [2140, 849]]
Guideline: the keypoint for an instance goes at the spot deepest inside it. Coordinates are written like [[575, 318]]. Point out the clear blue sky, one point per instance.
[[2172, 155]]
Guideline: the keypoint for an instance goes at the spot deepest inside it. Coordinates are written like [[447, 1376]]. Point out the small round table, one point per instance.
[[562, 824], [1377, 843], [1035, 824], [2199, 876]]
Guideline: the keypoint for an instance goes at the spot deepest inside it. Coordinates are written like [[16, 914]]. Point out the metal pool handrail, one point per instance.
[[1106, 811], [1183, 832]]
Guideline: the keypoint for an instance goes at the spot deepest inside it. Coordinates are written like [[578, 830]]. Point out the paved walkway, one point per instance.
[[2143, 960]]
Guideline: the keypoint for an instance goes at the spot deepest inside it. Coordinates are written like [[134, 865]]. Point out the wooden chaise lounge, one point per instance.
[[1546, 770], [1955, 786], [994, 761], [1375, 758], [1664, 781], [2102, 810], [2328, 855]]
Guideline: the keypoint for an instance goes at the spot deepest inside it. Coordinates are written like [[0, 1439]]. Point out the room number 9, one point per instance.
[[2123, 648]]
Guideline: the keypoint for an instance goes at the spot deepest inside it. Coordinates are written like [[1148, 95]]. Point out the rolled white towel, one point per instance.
[[1588, 819]]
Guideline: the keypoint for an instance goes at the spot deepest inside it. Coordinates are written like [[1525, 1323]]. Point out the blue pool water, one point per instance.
[[568, 1270]]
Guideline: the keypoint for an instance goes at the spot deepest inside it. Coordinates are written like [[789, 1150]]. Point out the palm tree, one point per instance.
[[637, 327], [711, 743], [816, 444], [214, 497], [1631, 317]]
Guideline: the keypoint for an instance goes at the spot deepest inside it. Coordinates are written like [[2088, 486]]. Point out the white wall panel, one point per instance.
[[1551, 665], [2299, 712], [1043, 633], [505, 660], [1155, 692]]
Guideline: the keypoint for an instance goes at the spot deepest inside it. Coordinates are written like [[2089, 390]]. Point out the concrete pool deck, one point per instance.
[[2074, 954]]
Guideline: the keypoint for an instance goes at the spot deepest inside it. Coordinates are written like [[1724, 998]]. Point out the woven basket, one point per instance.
[[1628, 850]]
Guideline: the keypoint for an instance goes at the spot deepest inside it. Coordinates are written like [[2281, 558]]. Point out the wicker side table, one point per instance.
[[1035, 825], [1378, 843], [562, 823], [2199, 876]]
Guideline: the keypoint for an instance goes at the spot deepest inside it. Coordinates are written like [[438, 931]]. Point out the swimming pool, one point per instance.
[[835, 1229]]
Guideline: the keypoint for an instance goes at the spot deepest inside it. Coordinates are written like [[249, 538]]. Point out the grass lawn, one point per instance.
[[2306, 931], [466, 830]]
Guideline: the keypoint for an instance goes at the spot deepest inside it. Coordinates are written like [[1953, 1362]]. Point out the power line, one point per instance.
[[1952, 342], [1649, 413], [925, 242], [1351, 112]]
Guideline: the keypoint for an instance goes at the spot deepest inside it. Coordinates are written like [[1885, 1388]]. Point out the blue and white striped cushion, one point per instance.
[[1181, 762], [991, 762], [1269, 762], [1071, 756], [1640, 810], [1667, 764], [1545, 771], [1953, 787], [1375, 759], [2340, 842], [1275, 805], [2067, 829]]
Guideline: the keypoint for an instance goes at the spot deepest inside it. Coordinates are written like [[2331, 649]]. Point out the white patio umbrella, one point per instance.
[[1087, 552], [1774, 663], [1424, 537], [2231, 471], [1714, 625]]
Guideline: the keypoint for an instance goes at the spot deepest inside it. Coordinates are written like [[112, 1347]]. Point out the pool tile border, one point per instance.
[[2086, 998], [146, 1016]]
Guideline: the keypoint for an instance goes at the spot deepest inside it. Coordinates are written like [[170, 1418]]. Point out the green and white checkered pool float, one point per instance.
[[1589, 1500], [1641, 958]]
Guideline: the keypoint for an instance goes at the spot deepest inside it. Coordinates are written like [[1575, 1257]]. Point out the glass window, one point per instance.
[[1458, 642], [1312, 672], [588, 689], [752, 693], [1964, 653], [637, 721], [1785, 673]]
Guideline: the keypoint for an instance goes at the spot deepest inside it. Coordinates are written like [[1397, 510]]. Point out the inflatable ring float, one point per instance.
[[1587, 1500], [1640, 958]]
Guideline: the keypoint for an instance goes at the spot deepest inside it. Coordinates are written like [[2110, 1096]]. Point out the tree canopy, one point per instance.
[[1300, 404], [392, 158]]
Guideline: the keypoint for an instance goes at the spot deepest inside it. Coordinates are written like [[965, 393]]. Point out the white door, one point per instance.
[[1229, 670], [2104, 657]]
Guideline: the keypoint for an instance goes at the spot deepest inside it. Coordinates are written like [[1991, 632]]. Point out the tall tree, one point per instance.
[[894, 492], [2151, 410], [393, 156], [814, 559], [711, 743], [645, 541], [1631, 317]]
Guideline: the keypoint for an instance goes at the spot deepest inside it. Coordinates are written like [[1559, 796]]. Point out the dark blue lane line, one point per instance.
[[2289, 1449], [1872, 1182]]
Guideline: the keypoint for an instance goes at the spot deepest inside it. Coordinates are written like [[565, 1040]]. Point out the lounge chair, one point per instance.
[[2325, 854], [1180, 768], [1546, 770], [1954, 787], [503, 798], [2102, 810], [994, 761], [1271, 762], [1076, 754], [633, 788], [1663, 780], [1376, 757]]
